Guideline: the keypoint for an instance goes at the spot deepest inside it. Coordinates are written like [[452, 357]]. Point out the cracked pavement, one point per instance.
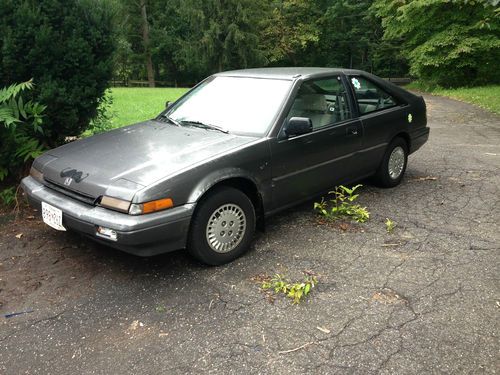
[[422, 299]]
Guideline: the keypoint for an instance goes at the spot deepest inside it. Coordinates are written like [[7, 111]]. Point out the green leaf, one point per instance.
[[20, 105], [307, 289]]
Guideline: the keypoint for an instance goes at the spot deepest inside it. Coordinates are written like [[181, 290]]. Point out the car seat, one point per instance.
[[313, 106]]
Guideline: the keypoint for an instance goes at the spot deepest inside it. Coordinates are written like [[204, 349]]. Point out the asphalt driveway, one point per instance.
[[423, 299]]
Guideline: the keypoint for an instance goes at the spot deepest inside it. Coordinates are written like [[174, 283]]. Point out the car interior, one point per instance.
[[322, 106], [370, 100]]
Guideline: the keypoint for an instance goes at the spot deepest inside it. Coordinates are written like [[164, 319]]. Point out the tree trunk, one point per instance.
[[145, 39]]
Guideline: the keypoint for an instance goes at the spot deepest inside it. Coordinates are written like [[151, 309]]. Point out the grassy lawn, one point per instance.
[[136, 104], [487, 97], [131, 105]]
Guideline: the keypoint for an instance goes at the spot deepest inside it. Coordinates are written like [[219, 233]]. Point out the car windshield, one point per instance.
[[238, 105]]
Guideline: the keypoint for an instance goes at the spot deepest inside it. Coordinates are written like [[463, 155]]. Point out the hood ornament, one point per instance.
[[71, 175]]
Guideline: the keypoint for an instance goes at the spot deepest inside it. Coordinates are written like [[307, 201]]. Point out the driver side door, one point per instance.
[[312, 163]]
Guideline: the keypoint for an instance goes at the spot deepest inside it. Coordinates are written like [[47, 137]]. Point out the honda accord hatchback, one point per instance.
[[238, 147]]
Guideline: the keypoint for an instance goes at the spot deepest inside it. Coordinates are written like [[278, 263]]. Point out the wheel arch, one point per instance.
[[238, 180], [405, 136]]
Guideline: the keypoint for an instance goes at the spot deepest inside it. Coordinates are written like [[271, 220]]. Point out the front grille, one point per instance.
[[70, 193]]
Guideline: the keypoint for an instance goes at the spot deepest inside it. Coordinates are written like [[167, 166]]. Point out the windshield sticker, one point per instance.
[[356, 83], [410, 118]]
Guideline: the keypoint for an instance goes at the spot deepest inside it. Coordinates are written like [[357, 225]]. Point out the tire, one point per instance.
[[393, 166], [222, 227]]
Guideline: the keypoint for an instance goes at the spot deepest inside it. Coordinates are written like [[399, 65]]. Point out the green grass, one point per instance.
[[131, 105], [487, 97]]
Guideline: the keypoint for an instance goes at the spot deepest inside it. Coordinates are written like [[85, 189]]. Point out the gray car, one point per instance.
[[238, 147]]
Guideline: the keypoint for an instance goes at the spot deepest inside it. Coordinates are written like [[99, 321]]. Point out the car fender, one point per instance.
[[218, 176]]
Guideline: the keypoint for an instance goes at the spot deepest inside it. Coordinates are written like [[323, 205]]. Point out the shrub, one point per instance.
[[67, 47], [20, 128], [7, 196]]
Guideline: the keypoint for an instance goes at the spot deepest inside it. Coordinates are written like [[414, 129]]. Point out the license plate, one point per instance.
[[52, 216]]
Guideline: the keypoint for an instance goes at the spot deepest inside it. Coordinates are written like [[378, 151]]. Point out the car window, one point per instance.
[[369, 96], [241, 105], [324, 101]]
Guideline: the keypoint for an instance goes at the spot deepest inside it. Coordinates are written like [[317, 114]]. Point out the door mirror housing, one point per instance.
[[167, 104], [298, 126]]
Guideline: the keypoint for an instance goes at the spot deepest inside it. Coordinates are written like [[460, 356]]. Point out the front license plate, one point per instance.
[[52, 216]]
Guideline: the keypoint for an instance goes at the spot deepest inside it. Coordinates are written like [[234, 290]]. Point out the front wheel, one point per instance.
[[393, 166], [222, 227]]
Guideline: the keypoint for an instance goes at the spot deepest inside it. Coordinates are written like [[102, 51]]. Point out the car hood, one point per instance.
[[125, 160]]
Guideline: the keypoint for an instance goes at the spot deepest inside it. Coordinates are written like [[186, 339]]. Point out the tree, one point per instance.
[[448, 42], [147, 47], [230, 37], [190, 39], [66, 46], [290, 29]]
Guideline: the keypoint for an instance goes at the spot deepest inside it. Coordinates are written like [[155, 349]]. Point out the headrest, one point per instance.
[[311, 102]]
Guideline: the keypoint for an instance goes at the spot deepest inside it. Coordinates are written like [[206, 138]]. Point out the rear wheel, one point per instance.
[[222, 227], [393, 166]]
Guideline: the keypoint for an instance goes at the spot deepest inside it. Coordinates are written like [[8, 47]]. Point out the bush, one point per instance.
[[20, 129], [67, 47]]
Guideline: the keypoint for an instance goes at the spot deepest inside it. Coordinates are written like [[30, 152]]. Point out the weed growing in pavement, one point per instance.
[[293, 290], [161, 309], [389, 225], [342, 205]]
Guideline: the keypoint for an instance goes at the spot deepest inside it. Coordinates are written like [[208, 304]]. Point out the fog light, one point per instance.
[[107, 233]]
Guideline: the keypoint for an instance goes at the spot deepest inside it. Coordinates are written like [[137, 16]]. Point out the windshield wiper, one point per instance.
[[202, 125], [170, 119]]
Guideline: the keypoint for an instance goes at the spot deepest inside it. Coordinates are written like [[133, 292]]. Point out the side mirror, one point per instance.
[[167, 104], [298, 126]]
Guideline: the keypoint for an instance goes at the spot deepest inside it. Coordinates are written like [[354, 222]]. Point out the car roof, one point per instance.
[[289, 73]]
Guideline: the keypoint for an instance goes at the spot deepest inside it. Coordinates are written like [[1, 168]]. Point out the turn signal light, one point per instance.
[[152, 206]]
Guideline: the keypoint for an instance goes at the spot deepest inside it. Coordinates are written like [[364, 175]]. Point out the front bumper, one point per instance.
[[143, 235]]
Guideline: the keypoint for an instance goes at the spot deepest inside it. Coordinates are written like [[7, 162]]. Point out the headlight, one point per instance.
[[36, 174], [149, 207], [115, 203]]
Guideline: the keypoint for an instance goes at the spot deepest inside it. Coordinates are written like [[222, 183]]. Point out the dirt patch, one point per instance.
[[37, 269]]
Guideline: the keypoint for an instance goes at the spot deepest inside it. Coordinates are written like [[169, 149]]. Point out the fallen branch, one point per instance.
[[294, 350], [426, 178]]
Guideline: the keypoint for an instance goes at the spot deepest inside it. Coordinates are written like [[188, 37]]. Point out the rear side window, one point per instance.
[[324, 101], [370, 97]]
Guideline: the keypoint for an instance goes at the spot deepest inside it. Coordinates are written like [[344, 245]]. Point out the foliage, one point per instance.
[[389, 225], [483, 96], [67, 47], [351, 37], [342, 205], [449, 43], [102, 121], [191, 39], [289, 29], [8, 196], [293, 290], [20, 128]]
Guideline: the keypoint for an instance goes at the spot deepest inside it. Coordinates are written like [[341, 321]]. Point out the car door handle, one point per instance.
[[352, 131]]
